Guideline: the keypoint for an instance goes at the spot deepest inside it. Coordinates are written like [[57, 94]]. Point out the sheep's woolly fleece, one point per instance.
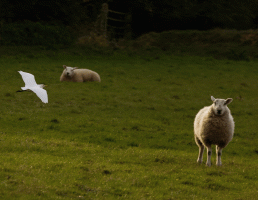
[[214, 125], [73, 74]]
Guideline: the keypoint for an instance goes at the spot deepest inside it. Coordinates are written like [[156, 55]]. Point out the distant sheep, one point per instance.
[[73, 74], [214, 124]]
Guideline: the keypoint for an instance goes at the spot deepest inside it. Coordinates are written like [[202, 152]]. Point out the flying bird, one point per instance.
[[30, 84]]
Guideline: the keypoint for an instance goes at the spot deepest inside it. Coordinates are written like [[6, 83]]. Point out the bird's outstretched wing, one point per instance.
[[28, 79], [41, 93]]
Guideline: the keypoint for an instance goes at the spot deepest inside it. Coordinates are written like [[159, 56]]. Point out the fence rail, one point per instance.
[[117, 20], [117, 12]]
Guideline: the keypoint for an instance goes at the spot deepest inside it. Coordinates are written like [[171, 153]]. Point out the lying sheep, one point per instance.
[[213, 124], [74, 74]]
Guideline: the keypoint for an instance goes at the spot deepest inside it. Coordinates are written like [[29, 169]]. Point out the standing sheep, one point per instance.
[[73, 74], [213, 124]]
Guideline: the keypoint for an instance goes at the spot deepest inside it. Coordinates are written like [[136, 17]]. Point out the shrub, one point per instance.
[[34, 34], [94, 40]]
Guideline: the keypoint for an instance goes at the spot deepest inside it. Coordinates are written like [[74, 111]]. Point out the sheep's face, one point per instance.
[[220, 105], [69, 71]]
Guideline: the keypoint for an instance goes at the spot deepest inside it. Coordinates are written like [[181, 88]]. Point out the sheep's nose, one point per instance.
[[219, 112]]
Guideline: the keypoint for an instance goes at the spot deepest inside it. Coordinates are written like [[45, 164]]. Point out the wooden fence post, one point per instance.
[[101, 23]]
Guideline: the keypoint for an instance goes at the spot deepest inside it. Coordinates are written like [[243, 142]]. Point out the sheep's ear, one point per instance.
[[212, 98], [228, 101], [75, 68], [64, 66]]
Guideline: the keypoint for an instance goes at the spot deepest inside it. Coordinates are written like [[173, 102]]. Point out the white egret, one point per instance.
[[30, 84]]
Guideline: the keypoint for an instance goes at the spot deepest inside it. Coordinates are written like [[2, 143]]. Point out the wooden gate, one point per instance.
[[113, 24]]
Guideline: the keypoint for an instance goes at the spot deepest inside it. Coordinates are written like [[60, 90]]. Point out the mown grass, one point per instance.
[[128, 137]]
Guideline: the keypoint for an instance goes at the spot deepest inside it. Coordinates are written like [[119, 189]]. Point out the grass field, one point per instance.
[[128, 137]]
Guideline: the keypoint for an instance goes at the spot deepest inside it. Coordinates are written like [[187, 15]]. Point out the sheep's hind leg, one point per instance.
[[201, 149], [219, 153], [209, 152]]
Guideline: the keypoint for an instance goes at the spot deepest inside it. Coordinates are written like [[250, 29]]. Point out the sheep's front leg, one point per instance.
[[201, 149], [219, 153], [209, 152]]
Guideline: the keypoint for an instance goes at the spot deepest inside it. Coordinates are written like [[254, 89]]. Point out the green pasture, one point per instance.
[[128, 137]]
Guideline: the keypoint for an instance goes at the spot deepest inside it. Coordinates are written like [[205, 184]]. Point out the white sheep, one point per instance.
[[73, 74], [214, 124]]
